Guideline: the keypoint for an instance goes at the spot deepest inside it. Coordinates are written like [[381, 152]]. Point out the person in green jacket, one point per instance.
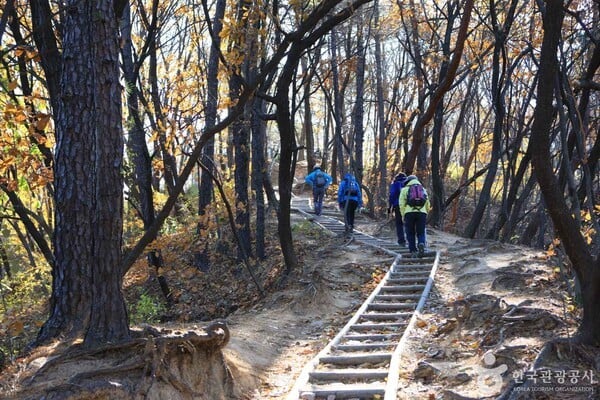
[[414, 206]]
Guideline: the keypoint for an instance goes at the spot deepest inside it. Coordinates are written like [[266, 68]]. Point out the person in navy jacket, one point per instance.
[[394, 206]]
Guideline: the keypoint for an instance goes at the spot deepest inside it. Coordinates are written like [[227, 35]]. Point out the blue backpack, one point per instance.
[[320, 180], [352, 189]]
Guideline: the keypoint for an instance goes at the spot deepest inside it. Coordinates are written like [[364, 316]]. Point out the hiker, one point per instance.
[[394, 206], [349, 199], [320, 181], [414, 206]]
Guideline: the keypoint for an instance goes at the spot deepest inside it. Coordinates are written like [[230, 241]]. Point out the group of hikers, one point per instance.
[[408, 201]]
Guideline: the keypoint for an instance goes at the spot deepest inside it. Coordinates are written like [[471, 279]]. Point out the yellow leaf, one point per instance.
[[20, 117]]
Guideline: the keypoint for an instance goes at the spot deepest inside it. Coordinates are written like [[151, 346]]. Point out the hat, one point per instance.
[[410, 178], [401, 175]]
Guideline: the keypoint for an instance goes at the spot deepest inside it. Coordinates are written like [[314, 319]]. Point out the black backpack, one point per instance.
[[416, 197]]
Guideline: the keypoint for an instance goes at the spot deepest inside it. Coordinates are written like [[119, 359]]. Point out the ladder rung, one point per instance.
[[355, 359], [402, 288], [341, 391], [395, 297], [350, 373], [373, 337], [385, 316], [392, 306], [364, 346], [381, 327]]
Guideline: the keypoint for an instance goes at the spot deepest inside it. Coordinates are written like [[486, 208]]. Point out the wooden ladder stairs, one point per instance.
[[362, 360]]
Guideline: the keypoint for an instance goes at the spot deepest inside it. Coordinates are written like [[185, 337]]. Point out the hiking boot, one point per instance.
[[402, 244], [421, 247], [414, 254]]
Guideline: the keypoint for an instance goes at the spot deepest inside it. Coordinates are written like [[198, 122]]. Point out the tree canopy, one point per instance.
[[114, 110]]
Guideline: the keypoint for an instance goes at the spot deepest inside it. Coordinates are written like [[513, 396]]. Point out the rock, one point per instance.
[[446, 327], [459, 379], [425, 372], [450, 395], [435, 353]]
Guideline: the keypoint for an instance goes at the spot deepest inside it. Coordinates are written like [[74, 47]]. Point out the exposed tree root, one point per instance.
[[156, 364]]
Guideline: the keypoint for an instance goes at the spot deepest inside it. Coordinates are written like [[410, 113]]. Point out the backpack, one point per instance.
[[352, 188], [320, 180], [416, 196]]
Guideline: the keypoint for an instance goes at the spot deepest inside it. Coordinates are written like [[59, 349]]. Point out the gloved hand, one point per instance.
[[389, 210], [341, 206]]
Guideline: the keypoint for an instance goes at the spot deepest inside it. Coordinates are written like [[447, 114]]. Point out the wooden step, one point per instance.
[[371, 337], [379, 327], [366, 346], [396, 297], [356, 359], [401, 288], [341, 391], [391, 306], [404, 266], [400, 316], [399, 281], [349, 373]]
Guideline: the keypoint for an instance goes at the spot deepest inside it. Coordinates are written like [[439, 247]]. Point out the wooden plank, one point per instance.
[[356, 359], [391, 306], [349, 373]]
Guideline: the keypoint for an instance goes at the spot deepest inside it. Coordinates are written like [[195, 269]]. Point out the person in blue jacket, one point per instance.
[[349, 199], [319, 181], [394, 206]]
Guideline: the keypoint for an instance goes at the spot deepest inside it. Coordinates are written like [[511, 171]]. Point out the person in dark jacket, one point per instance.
[[394, 206], [320, 181], [349, 199]]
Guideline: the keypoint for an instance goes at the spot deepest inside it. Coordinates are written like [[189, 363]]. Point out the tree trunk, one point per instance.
[[86, 287], [259, 171], [359, 105], [427, 115], [309, 139], [381, 118], [498, 79], [586, 265], [436, 215], [337, 106]]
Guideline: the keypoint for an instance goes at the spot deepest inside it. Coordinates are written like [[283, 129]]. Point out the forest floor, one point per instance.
[[492, 309]]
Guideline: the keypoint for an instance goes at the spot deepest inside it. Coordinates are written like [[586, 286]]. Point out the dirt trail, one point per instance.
[[493, 298]]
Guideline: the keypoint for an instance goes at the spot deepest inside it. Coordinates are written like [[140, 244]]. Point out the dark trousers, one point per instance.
[[350, 207], [318, 195], [399, 225], [414, 223]]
